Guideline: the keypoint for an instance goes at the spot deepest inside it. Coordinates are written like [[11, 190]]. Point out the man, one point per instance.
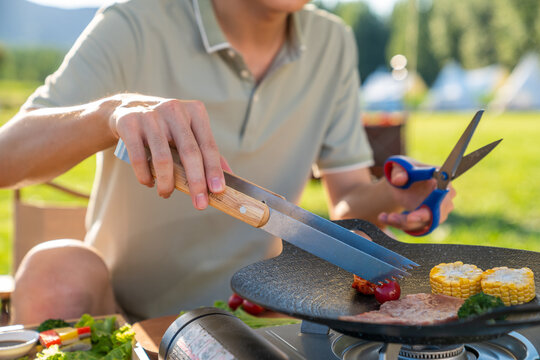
[[275, 87]]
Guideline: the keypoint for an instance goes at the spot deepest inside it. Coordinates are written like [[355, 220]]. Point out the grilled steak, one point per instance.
[[415, 309]]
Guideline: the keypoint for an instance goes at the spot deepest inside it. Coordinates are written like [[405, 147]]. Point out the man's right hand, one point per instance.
[[156, 123]]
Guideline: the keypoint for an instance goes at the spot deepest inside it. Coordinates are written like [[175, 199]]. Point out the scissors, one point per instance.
[[455, 165]]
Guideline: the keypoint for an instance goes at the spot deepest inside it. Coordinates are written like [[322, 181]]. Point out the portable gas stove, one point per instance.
[[298, 345], [213, 334], [303, 286]]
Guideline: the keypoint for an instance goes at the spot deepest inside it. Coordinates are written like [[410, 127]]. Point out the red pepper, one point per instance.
[[83, 332], [49, 337], [363, 286]]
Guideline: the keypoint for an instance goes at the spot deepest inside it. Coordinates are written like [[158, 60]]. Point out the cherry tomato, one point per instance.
[[235, 301], [387, 291], [252, 308]]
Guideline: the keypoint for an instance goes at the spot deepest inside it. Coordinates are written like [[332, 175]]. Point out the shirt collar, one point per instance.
[[214, 39], [212, 36], [296, 34]]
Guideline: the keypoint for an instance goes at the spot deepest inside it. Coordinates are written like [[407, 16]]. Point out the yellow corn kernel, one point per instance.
[[455, 279], [513, 286]]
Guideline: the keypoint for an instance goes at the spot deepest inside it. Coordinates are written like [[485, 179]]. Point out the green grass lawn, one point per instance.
[[12, 95], [497, 202]]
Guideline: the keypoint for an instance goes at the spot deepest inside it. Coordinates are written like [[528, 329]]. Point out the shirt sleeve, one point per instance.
[[345, 146], [96, 66]]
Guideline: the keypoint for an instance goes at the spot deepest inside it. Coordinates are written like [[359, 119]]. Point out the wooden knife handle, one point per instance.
[[231, 201]]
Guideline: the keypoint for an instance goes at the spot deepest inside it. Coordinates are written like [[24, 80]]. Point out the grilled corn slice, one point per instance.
[[513, 286], [455, 279]]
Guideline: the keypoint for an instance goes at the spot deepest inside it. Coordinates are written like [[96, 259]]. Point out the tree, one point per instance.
[[426, 64], [371, 35], [529, 13], [32, 64], [477, 32], [3, 56]]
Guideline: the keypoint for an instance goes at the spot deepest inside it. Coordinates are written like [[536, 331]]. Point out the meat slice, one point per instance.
[[415, 309]]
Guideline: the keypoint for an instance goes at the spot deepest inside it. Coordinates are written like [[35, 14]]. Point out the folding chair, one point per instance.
[[34, 224]]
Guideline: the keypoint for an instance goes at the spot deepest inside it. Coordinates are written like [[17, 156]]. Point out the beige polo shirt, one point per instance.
[[165, 256]]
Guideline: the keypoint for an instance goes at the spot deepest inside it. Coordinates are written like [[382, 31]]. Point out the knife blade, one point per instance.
[[270, 212], [279, 203]]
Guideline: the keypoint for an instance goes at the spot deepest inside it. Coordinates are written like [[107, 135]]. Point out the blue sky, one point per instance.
[[382, 7]]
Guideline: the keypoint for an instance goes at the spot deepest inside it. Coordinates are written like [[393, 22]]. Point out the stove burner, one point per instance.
[[453, 352], [509, 347]]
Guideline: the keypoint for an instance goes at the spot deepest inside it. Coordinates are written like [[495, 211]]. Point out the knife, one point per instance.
[[272, 213]]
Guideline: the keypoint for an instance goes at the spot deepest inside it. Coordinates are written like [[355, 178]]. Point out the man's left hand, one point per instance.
[[409, 199]]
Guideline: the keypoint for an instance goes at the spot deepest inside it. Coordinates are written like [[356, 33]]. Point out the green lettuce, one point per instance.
[[108, 342], [81, 355], [85, 320], [122, 352], [253, 321]]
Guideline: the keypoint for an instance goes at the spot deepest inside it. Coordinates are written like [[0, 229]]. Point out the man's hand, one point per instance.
[[409, 199], [156, 123]]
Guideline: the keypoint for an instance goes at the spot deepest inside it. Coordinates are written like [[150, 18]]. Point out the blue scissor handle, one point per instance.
[[414, 173], [433, 204]]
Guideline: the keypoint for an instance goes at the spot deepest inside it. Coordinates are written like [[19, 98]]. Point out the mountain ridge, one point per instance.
[[27, 24]]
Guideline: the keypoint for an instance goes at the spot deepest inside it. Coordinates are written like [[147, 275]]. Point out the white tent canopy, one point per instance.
[[386, 92], [450, 90], [521, 91], [483, 82], [381, 92]]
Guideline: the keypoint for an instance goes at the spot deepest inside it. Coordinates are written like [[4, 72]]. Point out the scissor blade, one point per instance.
[[448, 169], [330, 249], [473, 158]]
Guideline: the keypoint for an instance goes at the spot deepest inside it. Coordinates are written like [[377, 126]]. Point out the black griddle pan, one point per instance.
[[301, 285]]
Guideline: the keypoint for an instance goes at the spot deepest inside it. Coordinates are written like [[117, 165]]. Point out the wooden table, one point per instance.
[[149, 333]]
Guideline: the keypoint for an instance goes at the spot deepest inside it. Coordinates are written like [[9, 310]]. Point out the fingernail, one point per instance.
[[217, 184], [200, 200], [415, 218]]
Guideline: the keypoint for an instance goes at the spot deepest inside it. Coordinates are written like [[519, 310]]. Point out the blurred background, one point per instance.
[[425, 66]]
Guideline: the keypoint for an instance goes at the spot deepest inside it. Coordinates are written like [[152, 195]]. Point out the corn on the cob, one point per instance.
[[513, 286], [455, 279]]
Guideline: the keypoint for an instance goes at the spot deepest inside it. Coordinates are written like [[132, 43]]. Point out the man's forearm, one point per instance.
[[41, 144], [365, 201]]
